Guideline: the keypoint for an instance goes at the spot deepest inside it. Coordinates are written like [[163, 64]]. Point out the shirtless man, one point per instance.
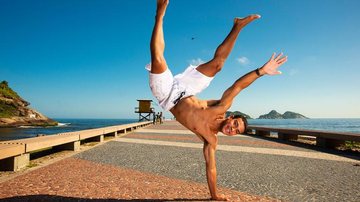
[[177, 94]]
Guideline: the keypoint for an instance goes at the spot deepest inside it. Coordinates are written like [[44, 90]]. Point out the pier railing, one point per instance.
[[15, 154], [323, 138]]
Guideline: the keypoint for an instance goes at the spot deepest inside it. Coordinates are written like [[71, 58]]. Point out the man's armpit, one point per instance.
[[211, 103]]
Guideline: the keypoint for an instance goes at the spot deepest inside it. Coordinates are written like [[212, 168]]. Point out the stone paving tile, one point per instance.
[[74, 179]]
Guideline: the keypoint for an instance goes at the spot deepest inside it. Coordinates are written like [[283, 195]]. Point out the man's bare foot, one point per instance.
[[242, 22], [161, 7]]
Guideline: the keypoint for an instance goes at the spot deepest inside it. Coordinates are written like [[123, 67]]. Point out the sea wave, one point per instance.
[[29, 127], [59, 125], [63, 124]]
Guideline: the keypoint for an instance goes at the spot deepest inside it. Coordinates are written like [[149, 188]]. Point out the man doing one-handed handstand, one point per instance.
[[177, 94]]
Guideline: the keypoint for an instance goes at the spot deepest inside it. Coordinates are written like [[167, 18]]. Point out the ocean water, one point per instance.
[[334, 125], [67, 125]]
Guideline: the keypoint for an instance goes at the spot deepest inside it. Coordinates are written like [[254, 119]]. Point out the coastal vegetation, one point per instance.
[[7, 110], [352, 145], [15, 111], [7, 107], [7, 92]]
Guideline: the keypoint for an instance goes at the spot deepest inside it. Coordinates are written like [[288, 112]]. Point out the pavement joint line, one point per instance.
[[281, 152], [176, 132], [164, 131]]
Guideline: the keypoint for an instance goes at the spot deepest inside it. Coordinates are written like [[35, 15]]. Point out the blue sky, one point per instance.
[[85, 59]]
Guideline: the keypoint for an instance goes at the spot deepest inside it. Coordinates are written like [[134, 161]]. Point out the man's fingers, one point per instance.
[[278, 57], [282, 62], [273, 56], [282, 59]]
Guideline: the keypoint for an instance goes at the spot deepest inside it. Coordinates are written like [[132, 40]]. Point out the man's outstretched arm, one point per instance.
[[269, 68]]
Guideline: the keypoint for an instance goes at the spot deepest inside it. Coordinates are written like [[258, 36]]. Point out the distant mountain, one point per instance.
[[228, 113], [287, 115], [293, 115], [14, 110], [271, 115]]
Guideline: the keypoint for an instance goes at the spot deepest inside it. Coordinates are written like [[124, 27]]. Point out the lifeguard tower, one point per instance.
[[145, 110]]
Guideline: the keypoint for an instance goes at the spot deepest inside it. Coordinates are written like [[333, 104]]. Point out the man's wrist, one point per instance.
[[258, 72]]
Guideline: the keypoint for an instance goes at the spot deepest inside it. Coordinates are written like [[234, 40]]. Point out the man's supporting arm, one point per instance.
[[209, 155], [269, 68]]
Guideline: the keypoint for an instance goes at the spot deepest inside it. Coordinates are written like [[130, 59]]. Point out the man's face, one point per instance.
[[233, 126]]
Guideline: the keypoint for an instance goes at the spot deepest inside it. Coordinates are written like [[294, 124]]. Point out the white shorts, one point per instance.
[[169, 90]]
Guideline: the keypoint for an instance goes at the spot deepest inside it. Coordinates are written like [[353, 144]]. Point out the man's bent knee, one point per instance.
[[212, 67], [218, 63]]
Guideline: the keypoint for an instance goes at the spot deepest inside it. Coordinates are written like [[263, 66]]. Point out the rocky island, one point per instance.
[[287, 115], [15, 111]]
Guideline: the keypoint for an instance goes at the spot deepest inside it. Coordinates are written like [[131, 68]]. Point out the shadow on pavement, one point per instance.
[[40, 198]]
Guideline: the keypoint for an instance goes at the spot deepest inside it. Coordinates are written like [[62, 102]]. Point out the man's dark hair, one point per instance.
[[243, 119]]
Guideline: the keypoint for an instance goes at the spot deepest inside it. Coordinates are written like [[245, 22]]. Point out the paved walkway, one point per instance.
[[165, 163]]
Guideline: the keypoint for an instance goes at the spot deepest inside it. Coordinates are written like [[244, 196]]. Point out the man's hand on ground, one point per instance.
[[220, 198], [271, 67]]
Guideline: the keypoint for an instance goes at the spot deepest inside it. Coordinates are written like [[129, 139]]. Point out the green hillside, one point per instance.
[[9, 101], [7, 92]]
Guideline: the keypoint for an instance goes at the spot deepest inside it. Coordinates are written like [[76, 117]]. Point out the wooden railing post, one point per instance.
[[15, 163], [284, 136], [72, 146], [262, 133], [328, 143]]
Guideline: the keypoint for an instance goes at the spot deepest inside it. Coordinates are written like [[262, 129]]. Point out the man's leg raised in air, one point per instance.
[[222, 52], [157, 44]]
